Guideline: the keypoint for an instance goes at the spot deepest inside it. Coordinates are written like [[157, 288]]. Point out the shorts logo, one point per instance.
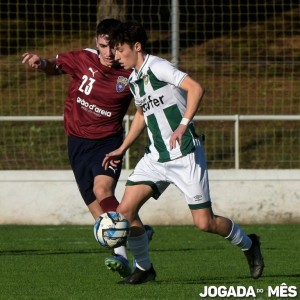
[[114, 170], [122, 82], [198, 197]]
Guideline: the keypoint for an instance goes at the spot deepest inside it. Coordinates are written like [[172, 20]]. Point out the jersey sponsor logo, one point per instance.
[[93, 108], [122, 82], [151, 103]]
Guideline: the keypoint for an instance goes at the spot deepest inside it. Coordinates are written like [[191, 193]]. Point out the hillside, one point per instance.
[[250, 69]]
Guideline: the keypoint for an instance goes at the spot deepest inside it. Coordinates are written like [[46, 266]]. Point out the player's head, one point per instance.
[[103, 32], [107, 26], [129, 43], [129, 33]]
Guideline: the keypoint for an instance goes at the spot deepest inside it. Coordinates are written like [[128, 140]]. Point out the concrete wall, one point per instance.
[[246, 196]]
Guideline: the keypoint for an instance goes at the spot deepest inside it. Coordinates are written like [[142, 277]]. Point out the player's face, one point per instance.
[[106, 55], [127, 56]]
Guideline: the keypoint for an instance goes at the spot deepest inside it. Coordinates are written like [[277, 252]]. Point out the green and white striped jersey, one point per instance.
[[155, 88]]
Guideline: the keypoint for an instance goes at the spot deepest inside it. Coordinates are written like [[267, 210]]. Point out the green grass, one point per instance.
[[65, 262]]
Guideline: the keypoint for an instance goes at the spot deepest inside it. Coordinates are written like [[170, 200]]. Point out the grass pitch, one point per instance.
[[65, 262]]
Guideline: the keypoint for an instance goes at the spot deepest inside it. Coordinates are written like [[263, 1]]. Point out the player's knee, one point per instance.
[[126, 212], [204, 225], [102, 191]]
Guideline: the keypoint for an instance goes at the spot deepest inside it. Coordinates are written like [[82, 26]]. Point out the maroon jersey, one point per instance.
[[98, 96]]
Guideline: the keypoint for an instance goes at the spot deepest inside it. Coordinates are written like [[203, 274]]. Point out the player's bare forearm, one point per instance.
[[46, 65], [195, 94], [136, 128]]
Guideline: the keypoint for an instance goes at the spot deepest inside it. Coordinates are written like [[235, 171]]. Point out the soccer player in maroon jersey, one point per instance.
[[97, 100]]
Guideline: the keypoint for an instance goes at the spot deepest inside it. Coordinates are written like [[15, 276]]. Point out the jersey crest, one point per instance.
[[145, 79], [122, 82]]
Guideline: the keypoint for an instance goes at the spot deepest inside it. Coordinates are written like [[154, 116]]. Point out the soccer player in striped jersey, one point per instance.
[[167, 100], [97, 100]]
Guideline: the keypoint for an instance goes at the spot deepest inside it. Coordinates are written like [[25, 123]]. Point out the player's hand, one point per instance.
[[112, 159], [177, 136], [33, 60]]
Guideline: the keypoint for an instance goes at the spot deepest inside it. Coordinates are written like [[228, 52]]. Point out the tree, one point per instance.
[[112, 9]]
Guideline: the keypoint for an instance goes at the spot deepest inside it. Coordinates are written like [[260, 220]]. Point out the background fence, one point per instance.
[[245, 53]]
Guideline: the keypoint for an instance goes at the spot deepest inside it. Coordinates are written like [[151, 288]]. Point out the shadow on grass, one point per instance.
[[77, 251], [50, 252], [223, 280]]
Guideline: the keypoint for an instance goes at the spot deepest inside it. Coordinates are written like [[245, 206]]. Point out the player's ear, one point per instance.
[[138, 47]]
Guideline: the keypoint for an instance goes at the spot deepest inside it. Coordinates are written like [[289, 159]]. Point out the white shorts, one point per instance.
[[188, 173]]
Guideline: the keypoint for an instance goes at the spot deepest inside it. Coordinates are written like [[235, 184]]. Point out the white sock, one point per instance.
[[239, 238], [139, 247], [121, 251]]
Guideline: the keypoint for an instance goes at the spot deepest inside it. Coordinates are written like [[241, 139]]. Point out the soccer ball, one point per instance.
[[111, 229]]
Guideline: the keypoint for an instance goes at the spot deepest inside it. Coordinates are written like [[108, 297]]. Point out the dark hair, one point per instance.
[[129, 33], [107, 26]]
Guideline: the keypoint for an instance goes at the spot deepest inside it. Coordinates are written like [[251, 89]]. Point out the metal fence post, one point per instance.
[[236, 143], [175, 32]]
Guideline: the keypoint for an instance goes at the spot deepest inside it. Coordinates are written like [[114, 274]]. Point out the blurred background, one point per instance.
[[245, 53]]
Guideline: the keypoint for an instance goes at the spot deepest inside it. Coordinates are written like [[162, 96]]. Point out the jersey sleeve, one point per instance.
[[66, 62], [168, 73]]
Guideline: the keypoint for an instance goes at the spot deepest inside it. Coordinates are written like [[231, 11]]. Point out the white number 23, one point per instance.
[[86, 87]]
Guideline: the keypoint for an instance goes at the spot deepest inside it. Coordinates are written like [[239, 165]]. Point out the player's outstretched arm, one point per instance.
[[46, 65]]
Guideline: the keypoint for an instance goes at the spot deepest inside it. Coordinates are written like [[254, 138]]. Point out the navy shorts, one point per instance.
[[86, 158]]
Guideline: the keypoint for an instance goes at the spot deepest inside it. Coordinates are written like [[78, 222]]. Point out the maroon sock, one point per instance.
[[109, 204]]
